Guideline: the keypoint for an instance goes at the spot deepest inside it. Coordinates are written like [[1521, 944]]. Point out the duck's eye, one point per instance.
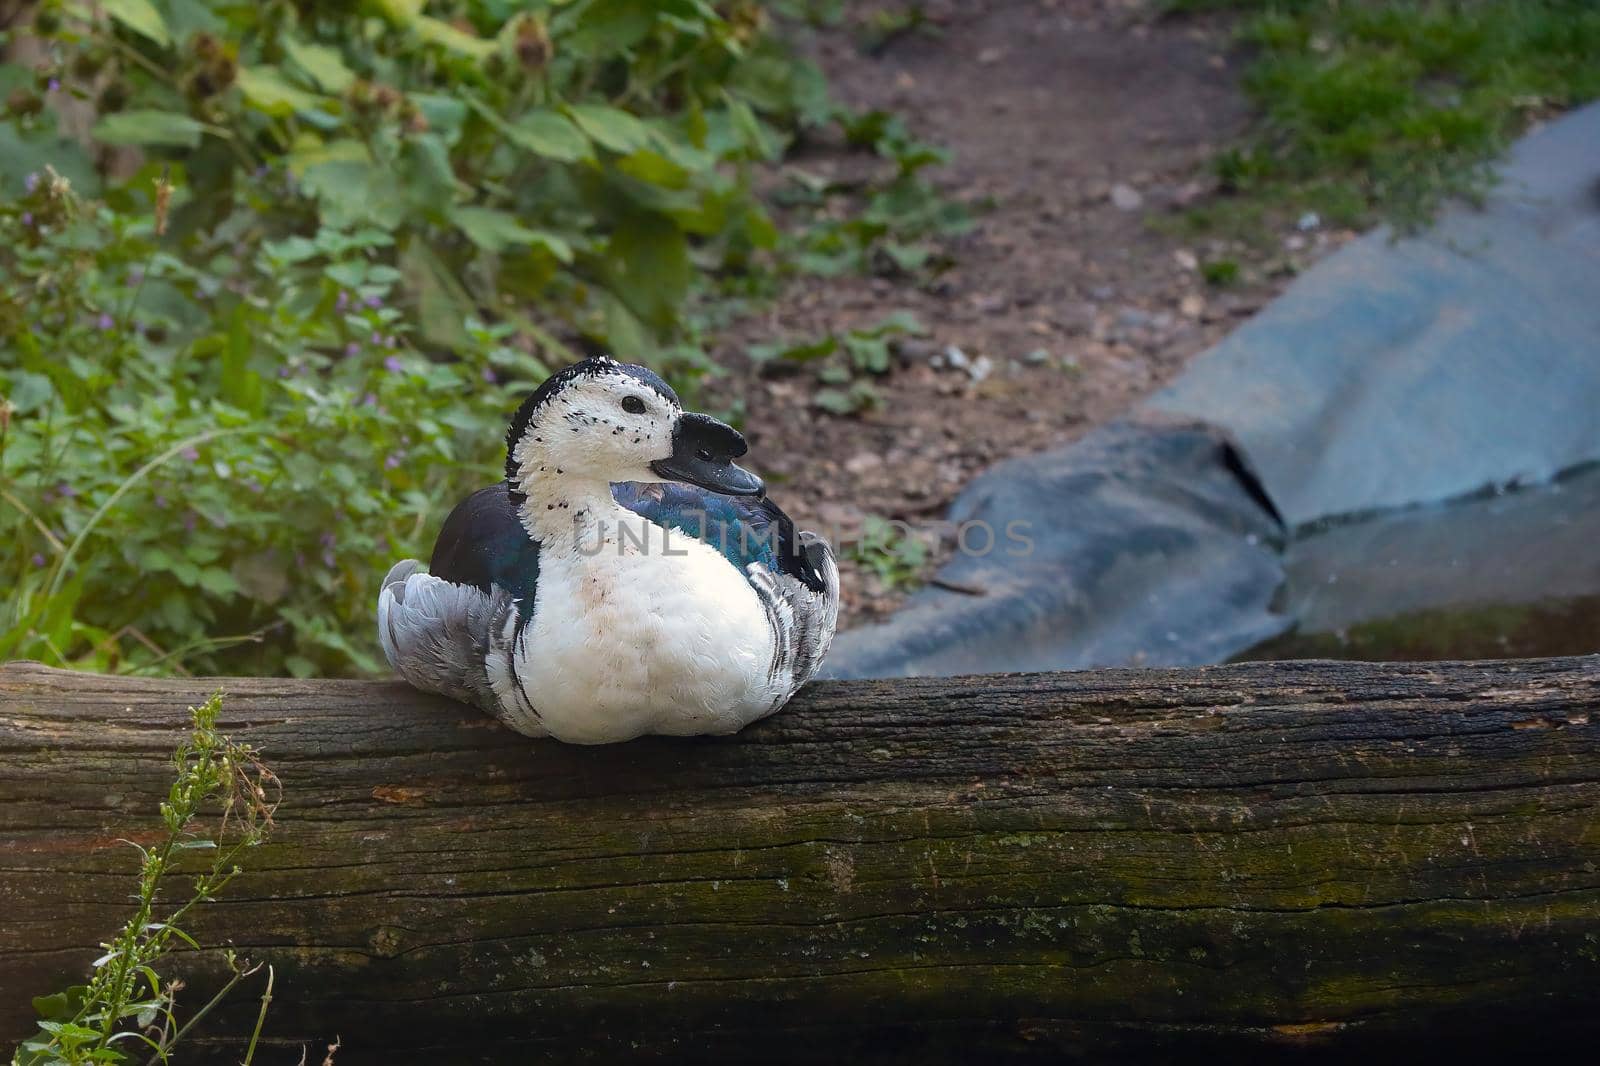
[[633, 405]]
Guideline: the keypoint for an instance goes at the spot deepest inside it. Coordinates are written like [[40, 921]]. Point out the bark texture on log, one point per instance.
[[1329, 855]]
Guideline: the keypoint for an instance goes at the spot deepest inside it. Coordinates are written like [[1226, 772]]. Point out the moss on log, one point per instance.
[[1342, 856]]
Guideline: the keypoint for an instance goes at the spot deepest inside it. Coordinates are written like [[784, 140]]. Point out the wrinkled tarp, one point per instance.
[[1398, 373], [1145, 543], [1393, 374]]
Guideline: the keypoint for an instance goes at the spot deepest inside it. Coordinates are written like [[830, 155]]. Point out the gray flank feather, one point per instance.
[[802, 619], [437, 634]]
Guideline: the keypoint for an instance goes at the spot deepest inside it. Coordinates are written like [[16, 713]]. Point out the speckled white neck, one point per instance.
[[562, 510]]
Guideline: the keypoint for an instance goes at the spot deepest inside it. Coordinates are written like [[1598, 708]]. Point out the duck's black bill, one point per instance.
[[703, 454]]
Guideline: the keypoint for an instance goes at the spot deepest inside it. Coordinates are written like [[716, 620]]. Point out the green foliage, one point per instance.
[[843, 359], [1382, 110], [1220, 271], [127, 1002], [890, 551], [234, 397], [889, 233]]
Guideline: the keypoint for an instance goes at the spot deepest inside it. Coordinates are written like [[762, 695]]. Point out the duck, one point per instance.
[[626, 577]]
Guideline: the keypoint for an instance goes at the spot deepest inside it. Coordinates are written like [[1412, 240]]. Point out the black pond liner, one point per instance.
[[1299, 476]]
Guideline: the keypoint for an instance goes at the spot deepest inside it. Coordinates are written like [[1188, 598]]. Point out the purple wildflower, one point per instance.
[[105, 321], [54, 86], [373, 301], [342, 302], [393, 364], [283, 371], [190, 454], [392, 461], [369, 400], [189, 522], [161, 501], [327, 540], [27, 219], [390, 342], [38, 558], [136, 275], [31, 182], [263, 170], [352, 349], [65, 491], [488, 375]]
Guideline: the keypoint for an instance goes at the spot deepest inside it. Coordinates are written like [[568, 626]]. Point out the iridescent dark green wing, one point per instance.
[[743, 529]]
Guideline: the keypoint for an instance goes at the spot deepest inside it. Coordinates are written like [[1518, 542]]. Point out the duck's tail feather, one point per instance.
[[438, 635]]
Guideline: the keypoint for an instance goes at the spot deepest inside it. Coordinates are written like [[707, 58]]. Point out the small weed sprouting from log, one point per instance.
[[221, 802]]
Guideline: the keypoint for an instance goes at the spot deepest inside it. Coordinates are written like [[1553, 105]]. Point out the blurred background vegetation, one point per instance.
[[228, 411], [272, 275], [1379, 110]]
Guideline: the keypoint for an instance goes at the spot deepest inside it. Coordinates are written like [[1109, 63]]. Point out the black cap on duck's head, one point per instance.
[[611, 421]]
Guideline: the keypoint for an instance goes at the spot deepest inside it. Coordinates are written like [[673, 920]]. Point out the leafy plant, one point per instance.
[[272, 276], [1220, 271], [890, 552], [864, 350], [202, 459], [127, 1002], [889, 232]]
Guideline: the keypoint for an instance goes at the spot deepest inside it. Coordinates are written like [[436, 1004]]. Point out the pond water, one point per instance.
[[1510, 575]]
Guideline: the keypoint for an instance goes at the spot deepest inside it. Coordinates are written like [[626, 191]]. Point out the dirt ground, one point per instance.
[[1082, 121]]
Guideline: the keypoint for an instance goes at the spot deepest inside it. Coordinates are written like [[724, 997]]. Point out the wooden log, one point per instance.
[[1166, 862]]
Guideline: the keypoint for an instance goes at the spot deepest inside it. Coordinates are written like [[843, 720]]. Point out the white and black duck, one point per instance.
[[625, 578]]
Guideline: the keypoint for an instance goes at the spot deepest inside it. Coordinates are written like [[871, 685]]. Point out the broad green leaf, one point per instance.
[[401, 12], [625, 334], [149, 128], [439, 32], [353, 192], [670, 143], [611, 127], [608, 27], [750, 131], [429, 181], [894, 324], [270, 93], [798, 352], [440, 306], [445, 114], [292, 249], [490, 229], [27, 151], [868, 353], [70, 1030], [310, 151], [654, 169], [141, 17], [241, 386], [324, 65], [549, 134], [834, 401], [493, 231], [647, 261]]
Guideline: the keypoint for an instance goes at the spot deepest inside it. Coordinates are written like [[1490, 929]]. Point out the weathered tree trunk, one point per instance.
[[1168, 862]]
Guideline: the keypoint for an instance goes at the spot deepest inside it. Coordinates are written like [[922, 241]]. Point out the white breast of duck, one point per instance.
[[578, 600], [637, 629]]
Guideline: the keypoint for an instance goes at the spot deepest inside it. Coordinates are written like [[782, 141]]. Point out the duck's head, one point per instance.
[[613, 421]]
